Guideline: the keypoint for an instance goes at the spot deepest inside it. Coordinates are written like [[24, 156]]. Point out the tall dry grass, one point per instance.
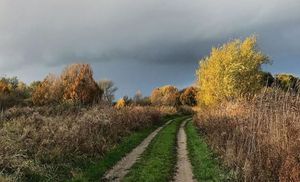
[[44, 143], [258, 138]]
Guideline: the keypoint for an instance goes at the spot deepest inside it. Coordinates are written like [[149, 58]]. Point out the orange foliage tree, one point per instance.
[[167, 95], [79, 85], [75, 85], [188, 96]]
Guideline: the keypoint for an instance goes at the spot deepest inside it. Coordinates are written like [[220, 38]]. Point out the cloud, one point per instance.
[[49, 34]]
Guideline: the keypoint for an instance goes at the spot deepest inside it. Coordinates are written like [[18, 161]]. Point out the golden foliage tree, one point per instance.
[[75, 85], [49, 91], [79, 85], [231, 70], [188, 96], [167, 95]]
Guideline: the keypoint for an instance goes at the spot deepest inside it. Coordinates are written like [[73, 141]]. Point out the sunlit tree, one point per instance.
[[79, 84], [230, 71], [166, 95]]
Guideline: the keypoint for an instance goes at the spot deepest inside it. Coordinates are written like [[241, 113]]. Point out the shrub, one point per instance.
[[231, 70]]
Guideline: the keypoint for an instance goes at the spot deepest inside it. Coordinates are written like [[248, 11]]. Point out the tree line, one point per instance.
[[230, 71], [76, 86]]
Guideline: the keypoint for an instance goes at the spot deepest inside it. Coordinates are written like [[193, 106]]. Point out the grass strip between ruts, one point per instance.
[[157, 163], [95, 171]]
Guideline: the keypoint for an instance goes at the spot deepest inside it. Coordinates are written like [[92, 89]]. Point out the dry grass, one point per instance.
[[258, 138], [43, 142]]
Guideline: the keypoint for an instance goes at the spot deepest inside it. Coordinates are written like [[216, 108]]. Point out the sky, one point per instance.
[[141, 44]]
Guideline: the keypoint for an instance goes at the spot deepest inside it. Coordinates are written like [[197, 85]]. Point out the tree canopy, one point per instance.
[[230, 71]]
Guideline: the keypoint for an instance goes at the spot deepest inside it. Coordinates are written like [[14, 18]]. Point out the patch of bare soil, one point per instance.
[[184, 171]]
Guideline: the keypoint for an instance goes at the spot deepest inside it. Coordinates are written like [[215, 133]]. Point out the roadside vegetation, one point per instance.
[[206, 165], [158, 161], [249, 117], [40, 147], [96, 170], [68, 125]]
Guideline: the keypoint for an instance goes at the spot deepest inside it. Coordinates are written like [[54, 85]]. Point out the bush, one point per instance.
[[230, 71]]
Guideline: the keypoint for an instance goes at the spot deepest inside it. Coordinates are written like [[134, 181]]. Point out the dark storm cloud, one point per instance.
[[140, 41]]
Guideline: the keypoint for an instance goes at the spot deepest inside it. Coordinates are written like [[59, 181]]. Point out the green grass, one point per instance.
[[158, 161], [96, 171], [205, 165]]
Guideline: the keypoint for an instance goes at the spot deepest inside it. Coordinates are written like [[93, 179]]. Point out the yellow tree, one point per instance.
[[230, 71]]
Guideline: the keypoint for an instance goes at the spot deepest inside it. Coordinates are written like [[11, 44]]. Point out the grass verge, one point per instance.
[[95, 171], [205, 165], [158, 161]]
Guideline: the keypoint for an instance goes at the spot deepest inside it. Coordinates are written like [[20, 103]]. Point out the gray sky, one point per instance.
[[140, 44]]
